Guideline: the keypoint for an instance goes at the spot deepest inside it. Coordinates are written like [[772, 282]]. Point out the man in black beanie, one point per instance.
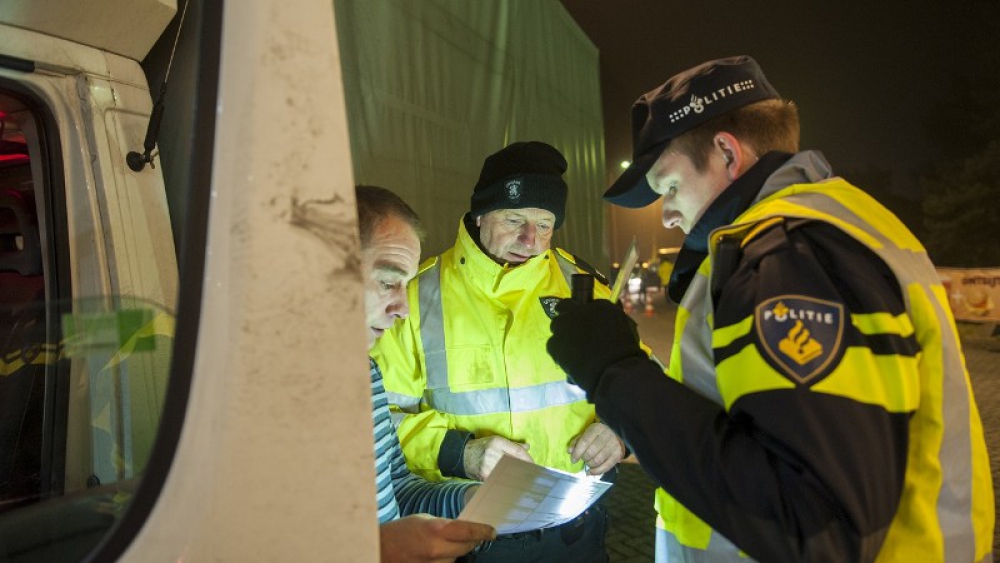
[[468, 373]]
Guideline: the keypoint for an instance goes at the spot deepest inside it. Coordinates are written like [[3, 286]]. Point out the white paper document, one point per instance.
[[519, 496]]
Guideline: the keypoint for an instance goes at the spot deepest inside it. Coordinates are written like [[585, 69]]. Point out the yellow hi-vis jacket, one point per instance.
[[946, 511], [471, 356]]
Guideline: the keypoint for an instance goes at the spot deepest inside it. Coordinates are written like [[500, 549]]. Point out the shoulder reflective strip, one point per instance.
[[883, 323], [845, 216], [904, 256], [822, 205], [878, 219], [432, 327], [567, 268], [794, 206], [501, 399], [847, 219]]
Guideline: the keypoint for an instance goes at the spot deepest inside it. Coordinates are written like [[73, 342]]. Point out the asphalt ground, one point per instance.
[[630, 501]]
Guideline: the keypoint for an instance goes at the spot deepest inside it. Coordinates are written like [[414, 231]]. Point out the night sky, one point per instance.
[[867, 78], [864, 74]]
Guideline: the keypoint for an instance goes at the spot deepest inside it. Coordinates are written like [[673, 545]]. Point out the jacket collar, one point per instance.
[[806, 167]]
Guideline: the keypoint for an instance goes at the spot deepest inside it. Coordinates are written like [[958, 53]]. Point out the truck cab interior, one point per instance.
[[22, 321]]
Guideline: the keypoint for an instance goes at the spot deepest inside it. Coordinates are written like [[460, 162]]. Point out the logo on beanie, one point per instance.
[[697, 104], [513, 189]]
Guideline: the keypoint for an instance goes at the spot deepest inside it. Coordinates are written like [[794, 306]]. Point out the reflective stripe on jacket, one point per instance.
[[946, 512]]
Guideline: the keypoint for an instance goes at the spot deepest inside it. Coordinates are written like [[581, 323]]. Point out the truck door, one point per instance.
[[213, 407]]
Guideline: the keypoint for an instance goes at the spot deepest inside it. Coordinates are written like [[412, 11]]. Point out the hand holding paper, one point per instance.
[[520, 496]]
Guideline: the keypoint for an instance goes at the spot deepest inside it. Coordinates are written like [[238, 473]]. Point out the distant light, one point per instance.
[[626, 164]]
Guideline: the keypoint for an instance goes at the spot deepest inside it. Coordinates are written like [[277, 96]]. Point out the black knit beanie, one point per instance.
[[522, 175]]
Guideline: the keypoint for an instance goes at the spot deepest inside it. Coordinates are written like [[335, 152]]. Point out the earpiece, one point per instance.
[[727, 155]]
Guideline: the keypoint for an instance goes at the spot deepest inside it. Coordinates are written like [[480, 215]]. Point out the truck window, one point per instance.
[[22, 317], [82, 377]]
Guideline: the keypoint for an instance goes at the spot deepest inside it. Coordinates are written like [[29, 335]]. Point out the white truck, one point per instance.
[[198, 401]]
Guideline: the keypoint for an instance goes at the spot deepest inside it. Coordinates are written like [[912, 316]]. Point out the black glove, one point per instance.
[[589, 337]]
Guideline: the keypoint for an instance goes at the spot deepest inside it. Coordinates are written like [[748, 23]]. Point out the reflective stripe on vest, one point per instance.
[[439, 395], [669, 550], [407, 404], [432, 327], [692, 353]]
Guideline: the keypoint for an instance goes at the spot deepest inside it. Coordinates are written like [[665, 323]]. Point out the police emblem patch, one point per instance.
[[800, 334], [513, 189], [549, 305]]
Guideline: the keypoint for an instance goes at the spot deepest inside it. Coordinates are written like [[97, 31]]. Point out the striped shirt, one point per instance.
[[399, 492]]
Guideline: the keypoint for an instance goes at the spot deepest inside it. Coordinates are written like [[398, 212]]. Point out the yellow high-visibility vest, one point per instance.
[[946, 512]]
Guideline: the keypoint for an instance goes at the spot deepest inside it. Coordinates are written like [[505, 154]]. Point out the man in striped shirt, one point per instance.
[[390, 254]]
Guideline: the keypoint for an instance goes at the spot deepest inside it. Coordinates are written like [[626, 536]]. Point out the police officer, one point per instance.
[[817, 406]]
